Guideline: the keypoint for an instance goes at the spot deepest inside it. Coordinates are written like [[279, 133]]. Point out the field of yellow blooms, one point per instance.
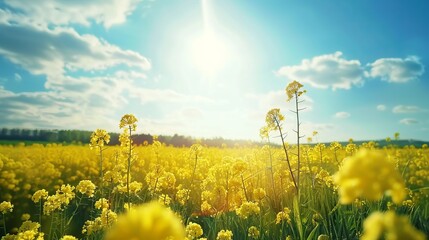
[[154, 191]]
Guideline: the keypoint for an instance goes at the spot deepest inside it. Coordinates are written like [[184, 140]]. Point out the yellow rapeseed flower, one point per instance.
[[273, 119], [369, 174], [293, 88], [246, 209], [193, 230], [6, 207], [25, 217], [101, 203], [86, 187], [283, 216], [128, 120], [29, 226], [68, 237], [148, 221], [224, 235], [253, 232], [99, 137], [389, 226]]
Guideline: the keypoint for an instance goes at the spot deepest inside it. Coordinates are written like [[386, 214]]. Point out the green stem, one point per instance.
[[128, 171], [50, 228], [297, 139], [74, 212], [4, 224], [272, 169], [101, 172], [40, 215], [287, 155], [244, 187]]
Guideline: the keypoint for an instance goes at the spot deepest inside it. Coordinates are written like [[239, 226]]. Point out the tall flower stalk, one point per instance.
[[99, 138], [128, 123], [274, 121], [293, 91]]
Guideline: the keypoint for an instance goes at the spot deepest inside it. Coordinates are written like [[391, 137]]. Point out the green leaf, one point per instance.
[[297, 216], [313, 232]]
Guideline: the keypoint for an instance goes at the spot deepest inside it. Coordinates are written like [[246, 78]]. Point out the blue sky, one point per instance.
[[208, 68]]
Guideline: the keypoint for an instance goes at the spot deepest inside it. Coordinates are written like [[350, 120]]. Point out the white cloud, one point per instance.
[[65, 12], [381, 107], [54, 51], [35, 38], [49, 110], [397, 70], [342, 115], [408, 121], [80, 103], [326, 71], [334, 71], [406, 109]]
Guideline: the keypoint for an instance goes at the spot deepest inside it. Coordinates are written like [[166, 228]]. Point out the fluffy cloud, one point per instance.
[[52, 52], [334, 71], [408, 121], [326, 71], [397, 70], [65, 12], [381, 107], [406, 109], [342, 115], [37, 36], [47, 110], [81, 102]]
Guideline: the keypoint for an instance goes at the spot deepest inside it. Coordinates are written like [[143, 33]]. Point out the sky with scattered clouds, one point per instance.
[[213, 68]]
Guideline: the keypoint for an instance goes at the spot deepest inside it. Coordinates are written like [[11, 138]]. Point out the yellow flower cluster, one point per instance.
[[183, 195], [27, 231], [246, 209], [39, 195], [62, 197], [6, 207], [25, 217], [104, 221], [68, 237], [292, 89], [101, 203], [193, 231], [369, 174], [389, 226], [224, 235], [129, 121], [283, 216], [134, 186], [98, 138], [253, 232], [148, 221], [273, 119], [86, 187]]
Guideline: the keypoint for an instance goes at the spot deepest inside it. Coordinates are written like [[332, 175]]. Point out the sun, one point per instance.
[[209, 53]]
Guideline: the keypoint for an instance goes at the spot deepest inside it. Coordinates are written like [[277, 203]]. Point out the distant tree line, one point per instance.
[[45, 135], [83, 137]]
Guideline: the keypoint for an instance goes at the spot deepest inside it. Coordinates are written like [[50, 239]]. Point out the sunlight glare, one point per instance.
[[209, 53]]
